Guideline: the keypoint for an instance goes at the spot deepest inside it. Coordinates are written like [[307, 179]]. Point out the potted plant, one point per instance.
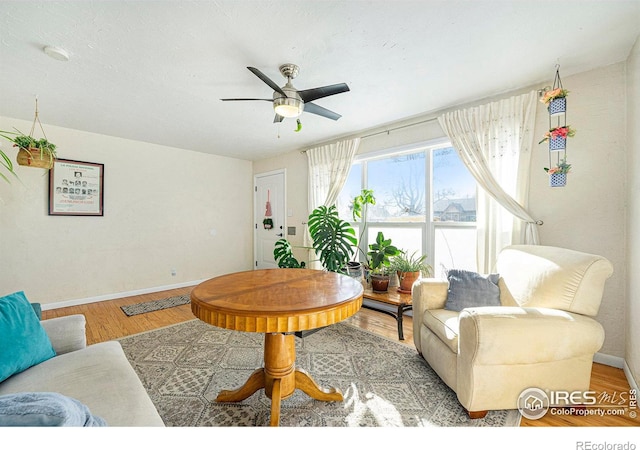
[[332, 238], [557, 137], [558, 174], [32, 152], [556, 101], [283, 254], [380, 254], [359, 211], [409, 268]]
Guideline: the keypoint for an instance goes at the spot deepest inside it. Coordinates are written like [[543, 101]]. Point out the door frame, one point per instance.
[[256, 220]]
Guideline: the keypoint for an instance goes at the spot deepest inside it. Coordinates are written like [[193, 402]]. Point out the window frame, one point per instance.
[[428, 226]]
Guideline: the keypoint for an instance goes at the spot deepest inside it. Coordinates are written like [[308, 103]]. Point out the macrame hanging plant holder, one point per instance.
[[268, 221], [35, 157]]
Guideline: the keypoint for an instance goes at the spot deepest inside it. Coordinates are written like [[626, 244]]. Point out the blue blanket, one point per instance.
[[45, 409]]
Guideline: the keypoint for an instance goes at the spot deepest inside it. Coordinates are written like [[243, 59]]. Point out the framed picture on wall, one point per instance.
[[76, 188]]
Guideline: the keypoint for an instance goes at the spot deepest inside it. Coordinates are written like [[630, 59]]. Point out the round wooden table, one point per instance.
[[277, 302]]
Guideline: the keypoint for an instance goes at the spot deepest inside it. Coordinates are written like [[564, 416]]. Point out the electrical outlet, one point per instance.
[[174, 272]]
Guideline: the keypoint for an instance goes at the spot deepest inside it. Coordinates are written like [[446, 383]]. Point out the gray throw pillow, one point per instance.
[[468, 289]]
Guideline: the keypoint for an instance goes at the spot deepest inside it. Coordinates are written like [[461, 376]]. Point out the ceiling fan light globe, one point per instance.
[[288, 107]]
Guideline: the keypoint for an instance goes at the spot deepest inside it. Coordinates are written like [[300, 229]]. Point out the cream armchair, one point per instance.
[[542, 336]]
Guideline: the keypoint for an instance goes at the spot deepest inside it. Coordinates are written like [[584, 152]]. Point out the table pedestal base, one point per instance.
[[279, 378]]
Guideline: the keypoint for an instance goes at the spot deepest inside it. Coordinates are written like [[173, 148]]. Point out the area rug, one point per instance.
[[155, 305], [384, 383]]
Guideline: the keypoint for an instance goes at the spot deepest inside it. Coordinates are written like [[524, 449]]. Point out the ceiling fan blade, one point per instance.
[[319, 110], [278, 118], [245, 99], [267, 80], [309, 95]]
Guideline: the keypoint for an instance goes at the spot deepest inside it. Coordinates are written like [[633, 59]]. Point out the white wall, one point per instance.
[[164, 208], [632, 310], [587, 215]]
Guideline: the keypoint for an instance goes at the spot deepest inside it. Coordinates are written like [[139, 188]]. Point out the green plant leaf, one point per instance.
[[333, 238], [283, 254], [381, 252]]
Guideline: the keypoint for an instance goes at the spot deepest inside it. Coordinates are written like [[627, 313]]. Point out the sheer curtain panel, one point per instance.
[[495, 142], [329, 167]]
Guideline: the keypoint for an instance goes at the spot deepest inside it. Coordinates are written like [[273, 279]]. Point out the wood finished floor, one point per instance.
[[106, 321]]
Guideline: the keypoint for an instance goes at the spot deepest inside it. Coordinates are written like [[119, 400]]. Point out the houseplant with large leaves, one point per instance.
[[333, 238], [380, 254], [283, 254]]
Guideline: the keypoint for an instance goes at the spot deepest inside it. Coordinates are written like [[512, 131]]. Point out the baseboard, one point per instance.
[[609, 360], [101, 298], [618, 363], [632, 382]]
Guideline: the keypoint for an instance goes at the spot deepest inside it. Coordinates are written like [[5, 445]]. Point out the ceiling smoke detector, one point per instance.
[[57, 53]]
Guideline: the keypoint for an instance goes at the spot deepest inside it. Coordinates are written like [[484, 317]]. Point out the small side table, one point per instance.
[[400, 300]]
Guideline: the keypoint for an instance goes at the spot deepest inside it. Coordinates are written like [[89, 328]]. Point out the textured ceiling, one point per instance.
[[155, 71]]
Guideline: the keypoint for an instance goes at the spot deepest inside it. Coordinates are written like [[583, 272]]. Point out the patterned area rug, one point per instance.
[[155, 305], [384, 383]]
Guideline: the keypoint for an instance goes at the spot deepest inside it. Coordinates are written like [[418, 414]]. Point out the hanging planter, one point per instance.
[[557, 106], [556, 101], [32, 152], [558, 179], [557, 137], [558, 143], [556, 97], [558, 174], [267, 223], [34, 157]]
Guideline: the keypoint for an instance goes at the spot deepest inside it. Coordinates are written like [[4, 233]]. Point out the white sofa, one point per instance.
[[99, 376], [543, 335]]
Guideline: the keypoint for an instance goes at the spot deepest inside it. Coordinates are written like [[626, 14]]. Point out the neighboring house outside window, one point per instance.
[[455, 209]]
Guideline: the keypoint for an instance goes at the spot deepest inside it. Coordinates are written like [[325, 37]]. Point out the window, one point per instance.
[[425, 203]]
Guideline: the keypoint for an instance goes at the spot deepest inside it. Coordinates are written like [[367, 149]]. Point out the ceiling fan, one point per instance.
[[288, 102]]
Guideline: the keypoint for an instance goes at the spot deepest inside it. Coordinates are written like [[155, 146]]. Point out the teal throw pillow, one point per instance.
[[468, 289], [37, 308], [45, 409], [23, 341]]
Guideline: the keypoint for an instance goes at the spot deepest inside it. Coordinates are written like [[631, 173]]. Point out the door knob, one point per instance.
[[280, 234]]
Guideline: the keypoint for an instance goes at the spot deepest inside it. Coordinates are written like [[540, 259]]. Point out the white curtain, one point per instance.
[[329, 167], [495, 142]]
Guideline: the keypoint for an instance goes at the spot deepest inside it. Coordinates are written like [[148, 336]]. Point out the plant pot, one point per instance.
[[557, 106], [354, 270], [31, 158], [366, 274], [557, 144], [558, 179], [379, 283], [406, 281]]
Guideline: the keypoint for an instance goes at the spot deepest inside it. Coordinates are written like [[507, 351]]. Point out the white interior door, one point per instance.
[[269, 216]]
